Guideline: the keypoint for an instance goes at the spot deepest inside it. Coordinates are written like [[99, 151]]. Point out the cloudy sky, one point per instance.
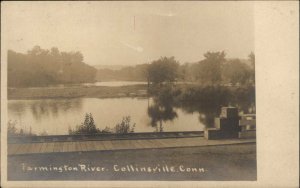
[[128, 33]]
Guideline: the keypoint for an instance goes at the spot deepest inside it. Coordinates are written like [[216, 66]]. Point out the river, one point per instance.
[[55, 116]]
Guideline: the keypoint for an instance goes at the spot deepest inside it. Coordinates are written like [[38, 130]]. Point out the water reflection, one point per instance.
[[206, 102], [41, 109], [165, 111], [16, 107], [55, 116], [159, 114]]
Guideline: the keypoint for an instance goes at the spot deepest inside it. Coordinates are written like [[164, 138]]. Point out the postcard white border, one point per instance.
[[277, 99]]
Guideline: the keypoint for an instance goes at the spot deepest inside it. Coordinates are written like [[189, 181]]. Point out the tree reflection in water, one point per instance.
[[207, 111], [160, 114], [45, 108], [162, 109], [207, 101]]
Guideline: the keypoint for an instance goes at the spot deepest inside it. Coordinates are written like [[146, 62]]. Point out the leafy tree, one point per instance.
[[237, 72], [163, 70], [36, 50], [209, 69], [40, 67]]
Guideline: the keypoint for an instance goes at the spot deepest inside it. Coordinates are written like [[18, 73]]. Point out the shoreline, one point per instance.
[[77, 92], [139, 90]]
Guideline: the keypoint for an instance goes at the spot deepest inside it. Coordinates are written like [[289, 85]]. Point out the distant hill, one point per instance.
[[110, 67], [121, 73]]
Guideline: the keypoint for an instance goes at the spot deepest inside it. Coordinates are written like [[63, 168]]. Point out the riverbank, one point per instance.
[[77, 92], [189, 91], [226, 162]]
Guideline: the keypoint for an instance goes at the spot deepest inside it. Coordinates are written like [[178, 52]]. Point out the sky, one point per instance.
[[129, 33]]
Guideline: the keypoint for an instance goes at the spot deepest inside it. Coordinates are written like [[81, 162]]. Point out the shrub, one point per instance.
[[125, 126], [87, 127], [12, 130]]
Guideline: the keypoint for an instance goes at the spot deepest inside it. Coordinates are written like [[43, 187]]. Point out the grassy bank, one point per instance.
[[74, 92], [231, 162], [182, 92]]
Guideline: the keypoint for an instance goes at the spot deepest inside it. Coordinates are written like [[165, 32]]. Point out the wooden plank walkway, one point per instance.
[[81, 146]]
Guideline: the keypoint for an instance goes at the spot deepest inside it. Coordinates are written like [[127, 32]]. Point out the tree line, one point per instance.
[[42, 67], [214, 69]]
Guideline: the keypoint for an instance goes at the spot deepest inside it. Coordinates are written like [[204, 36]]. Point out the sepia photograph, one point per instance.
[[130, 91]]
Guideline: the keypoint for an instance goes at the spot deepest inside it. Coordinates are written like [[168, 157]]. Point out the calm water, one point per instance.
[[115, 83], [55, 116]]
